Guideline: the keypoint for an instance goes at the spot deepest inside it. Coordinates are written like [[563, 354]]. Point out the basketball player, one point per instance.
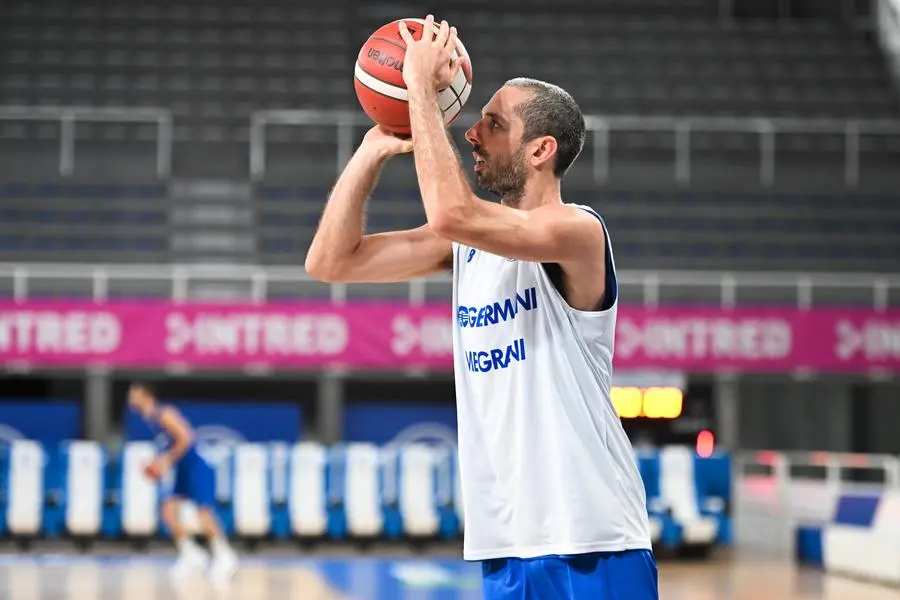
[[554, 504], [194, 480]]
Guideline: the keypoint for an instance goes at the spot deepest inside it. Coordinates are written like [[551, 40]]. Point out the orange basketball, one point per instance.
[[379, 78], [151, 472]]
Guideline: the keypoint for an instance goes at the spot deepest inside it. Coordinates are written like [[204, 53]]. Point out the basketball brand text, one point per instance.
[[385, 60]]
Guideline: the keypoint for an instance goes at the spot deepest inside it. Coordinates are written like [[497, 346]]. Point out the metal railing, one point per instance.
[[178, 278], [346, 121], [602, 126], [67, 116], [833, 468], [775, 492]]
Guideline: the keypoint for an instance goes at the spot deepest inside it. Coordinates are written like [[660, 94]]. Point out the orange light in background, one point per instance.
[[653, 403], [705, 443], [628, 401], [663, 402]]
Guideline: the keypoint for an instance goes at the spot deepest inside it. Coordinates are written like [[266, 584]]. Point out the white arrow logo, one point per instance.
[[406, 335], [629, 338], [180, 333], [849, 340]]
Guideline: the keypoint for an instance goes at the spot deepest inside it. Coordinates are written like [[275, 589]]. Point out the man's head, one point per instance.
[[528, 127], [142, 398]]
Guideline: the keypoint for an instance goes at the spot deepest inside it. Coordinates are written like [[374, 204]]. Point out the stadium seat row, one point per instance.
[[308, 491]]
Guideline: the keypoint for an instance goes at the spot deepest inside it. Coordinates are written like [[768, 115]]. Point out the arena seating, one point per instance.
[[25, 493], [308, 500], [84, 476], [138, 496], [715, 231], [718, 231], [353, 492], [213, 65], [84, 222]]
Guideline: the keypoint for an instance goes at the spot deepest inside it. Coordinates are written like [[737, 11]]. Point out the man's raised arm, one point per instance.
[[342, 252]]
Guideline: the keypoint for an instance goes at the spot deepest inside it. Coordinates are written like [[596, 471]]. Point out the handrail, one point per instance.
[[68, 115], [346, 120], [833, 465], [258, 277], [602, 125]]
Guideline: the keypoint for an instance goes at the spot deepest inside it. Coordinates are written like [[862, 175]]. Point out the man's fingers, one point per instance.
[[455, 66], [405, 35], [442, 35]]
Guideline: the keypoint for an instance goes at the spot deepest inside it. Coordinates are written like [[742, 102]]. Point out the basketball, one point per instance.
[[379, 78], [151, 472]]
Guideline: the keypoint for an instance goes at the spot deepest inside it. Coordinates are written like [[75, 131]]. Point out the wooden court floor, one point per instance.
[[69, 577]]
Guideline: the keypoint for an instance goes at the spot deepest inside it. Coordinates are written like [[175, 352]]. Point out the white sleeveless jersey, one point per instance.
[[545, 465]]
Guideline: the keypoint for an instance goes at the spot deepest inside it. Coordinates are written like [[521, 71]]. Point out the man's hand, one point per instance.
[[429, 61], [385, 143], [158, 468]]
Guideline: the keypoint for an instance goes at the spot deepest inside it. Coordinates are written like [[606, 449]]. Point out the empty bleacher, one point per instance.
[[212, 65], [41, 222], [651, 230], [707, 231]]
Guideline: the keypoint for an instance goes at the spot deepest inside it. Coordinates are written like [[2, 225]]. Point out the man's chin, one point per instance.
[[483, 184]]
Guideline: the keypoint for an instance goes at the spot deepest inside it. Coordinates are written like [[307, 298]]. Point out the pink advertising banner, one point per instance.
[[398, 336]]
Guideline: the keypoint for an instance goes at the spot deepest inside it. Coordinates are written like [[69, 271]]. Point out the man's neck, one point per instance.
[[536, 195]]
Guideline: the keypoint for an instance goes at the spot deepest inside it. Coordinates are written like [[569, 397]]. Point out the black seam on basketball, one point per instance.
[[467, 89], [382, 94], [450, 87], [391, 42], [451, 106], [466, 86]]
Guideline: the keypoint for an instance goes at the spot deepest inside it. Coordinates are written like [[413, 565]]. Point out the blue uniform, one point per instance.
[[194, 477], [627, 575]]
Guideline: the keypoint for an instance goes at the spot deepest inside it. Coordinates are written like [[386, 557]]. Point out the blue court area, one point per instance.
[[386, 579], [274, 578]]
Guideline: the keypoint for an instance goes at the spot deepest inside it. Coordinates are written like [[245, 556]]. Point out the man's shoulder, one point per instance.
[[583, 210]]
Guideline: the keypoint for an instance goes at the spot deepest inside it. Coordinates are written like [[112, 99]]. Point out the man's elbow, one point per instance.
[[446, 223], [322, 270], [188, 440]]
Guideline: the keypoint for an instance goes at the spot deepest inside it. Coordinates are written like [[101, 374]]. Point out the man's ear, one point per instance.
[[543, 151]]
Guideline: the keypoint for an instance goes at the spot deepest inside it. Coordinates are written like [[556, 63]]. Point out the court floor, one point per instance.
[[68, 577]]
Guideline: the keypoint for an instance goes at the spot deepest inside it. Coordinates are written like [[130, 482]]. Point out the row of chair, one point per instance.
[[308, 491]]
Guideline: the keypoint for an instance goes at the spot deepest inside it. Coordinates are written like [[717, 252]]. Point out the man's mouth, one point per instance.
[[479, 161]]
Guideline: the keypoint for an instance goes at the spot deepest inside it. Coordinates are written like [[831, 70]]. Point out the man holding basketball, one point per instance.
[[554, 504]]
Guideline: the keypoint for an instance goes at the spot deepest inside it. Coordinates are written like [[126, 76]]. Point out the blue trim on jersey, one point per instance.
[[612, 282], [630, 574]]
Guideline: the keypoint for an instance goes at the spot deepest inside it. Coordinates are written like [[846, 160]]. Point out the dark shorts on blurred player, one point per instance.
[[195, 480], [627, 575]]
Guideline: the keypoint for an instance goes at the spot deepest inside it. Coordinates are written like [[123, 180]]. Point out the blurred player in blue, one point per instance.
[[194, 481]]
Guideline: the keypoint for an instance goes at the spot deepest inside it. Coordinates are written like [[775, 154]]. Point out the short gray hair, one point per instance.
[[551, 111]]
